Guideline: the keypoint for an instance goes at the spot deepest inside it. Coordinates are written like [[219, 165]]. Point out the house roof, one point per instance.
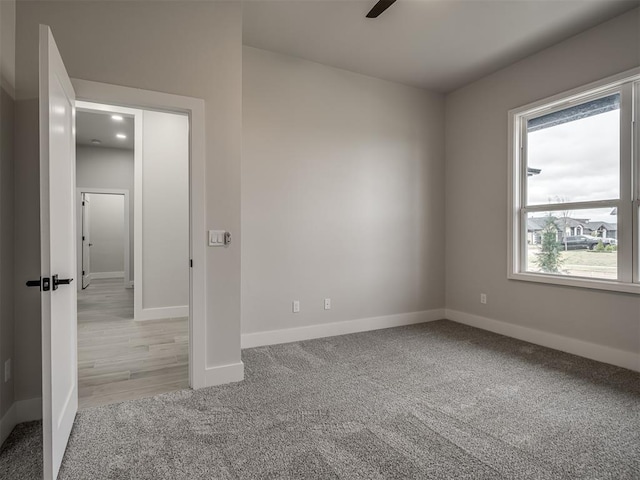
[[607, 225], [535, 224]]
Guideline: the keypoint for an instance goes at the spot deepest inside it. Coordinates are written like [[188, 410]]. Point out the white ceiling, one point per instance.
[[435, 44], [100, 126]]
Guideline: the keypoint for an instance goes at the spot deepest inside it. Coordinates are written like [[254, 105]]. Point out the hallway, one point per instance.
[[120, 359]]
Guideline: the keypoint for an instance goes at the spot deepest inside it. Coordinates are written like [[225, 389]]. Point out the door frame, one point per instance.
[[127, 232], [96, 92]]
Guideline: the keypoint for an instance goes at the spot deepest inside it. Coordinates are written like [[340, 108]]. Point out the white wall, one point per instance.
[[476, 192], [342, 195], [126, 43], [165, 212], [106, 230], [99, 167]]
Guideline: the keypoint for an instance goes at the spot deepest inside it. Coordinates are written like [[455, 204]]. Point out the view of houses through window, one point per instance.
[[573, 166], [584, 247]]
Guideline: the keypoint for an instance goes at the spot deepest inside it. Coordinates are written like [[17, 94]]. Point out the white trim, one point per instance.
[[20, 412], [601, 353], [233, 372], [162, 312], [137, 214], [8, 87], [635, 216], [576, 95], [194, 107], [628, 280], [577, 282], [29, 410], [286, 335], [7, 423], [127, 232], [101, 275]]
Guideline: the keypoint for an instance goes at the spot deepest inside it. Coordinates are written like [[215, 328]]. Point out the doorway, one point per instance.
[[104, 236], [132, 170]]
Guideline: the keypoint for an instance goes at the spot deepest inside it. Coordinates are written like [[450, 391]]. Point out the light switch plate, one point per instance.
[[216, 238]]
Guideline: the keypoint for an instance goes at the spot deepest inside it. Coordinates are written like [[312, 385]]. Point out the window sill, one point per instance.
[[608, 285]]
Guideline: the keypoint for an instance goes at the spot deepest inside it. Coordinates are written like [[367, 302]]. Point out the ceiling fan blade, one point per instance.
[[380, 7]]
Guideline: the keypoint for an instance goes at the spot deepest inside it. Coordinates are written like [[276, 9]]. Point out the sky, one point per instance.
[[580, 161]]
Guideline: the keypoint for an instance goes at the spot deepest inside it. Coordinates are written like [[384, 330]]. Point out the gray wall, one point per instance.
[[106, 232], [98, 167], [476, 192], [7, 192], [6, 248], [165, 210], [8, 42], [342, 194], [126, 43], [28, 362]]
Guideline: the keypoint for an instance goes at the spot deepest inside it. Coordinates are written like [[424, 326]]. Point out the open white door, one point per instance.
[[86, 240], [58, 253]]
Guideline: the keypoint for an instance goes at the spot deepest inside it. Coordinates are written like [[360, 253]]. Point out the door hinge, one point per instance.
[[191, 263], [83, 238], [83, 203], [83, 272]]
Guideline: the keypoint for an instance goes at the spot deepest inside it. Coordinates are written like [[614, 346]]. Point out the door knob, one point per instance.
[[61, 281], [43, 283]]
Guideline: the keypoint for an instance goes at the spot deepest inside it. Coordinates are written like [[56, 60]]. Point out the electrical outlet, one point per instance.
[[7, 370], [296, 306], [483, 298], [327, 304]]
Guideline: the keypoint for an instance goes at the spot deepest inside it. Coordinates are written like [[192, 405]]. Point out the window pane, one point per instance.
[[573, 155], [581, 243]]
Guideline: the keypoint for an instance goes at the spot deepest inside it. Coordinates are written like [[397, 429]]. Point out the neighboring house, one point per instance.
[[570, 226], [603, 229]]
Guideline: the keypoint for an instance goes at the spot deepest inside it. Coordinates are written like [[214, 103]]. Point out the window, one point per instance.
[[575, 188]]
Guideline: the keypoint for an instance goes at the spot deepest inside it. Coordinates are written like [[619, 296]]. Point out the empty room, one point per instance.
[[408, 239]]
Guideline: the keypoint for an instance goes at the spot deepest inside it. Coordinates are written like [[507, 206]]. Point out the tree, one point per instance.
[[549, 259], [565, 215]]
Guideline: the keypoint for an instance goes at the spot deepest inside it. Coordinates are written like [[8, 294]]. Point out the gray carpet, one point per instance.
[[438, 400], [21, 453]]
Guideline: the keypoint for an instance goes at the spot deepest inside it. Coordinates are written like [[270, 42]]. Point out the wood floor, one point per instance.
[[121, 359]]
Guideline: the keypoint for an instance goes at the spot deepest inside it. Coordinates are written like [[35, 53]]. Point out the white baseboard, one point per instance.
[[163, 312], [273, 337], [29, 410], [222, 374], [601, 353], [7, 423], [21, 411], [101, 275]]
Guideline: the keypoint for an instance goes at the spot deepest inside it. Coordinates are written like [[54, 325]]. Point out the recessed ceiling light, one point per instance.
[[117, 118], [121, 136], [95, 141]]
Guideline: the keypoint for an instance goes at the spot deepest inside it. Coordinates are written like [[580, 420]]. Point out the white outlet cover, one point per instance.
[[296, 306], [7, 370]]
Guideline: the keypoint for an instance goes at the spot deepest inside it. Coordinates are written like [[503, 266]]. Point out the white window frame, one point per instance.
[[628, 205]]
